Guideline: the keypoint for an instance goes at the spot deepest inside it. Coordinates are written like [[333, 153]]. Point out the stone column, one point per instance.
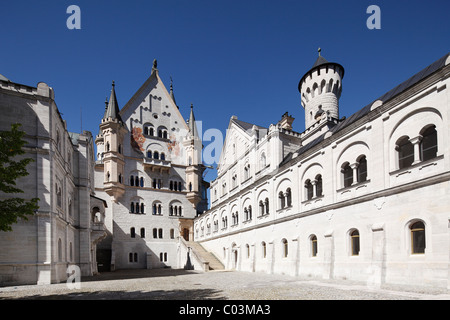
[[416, 143], [271, 256], [354, 167], [328, 256], [296, 256], [314, 182], [376, 270], [253, 257], [44, 248]]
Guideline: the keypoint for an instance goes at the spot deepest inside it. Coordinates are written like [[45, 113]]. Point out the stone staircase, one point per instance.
[[214, 263]]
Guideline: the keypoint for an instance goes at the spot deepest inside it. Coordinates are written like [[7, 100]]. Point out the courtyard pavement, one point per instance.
[[171, 284]]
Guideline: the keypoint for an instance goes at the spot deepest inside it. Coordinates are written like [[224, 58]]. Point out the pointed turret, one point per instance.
[[171, 91], [192, 125], [195, 168], [110, 143], [112, 110]]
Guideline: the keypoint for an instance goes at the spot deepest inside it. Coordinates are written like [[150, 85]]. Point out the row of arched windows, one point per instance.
[[136, 181], [156, 155], [285, 198], [421, 148], [417, 242], [150, 131], [157, 209], [157, 233]]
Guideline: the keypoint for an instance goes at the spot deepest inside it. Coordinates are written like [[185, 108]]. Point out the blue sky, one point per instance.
[[241, 58]]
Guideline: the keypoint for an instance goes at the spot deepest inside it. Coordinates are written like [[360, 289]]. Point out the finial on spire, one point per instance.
[[113, 83], [319, 50], [155, 64], [192, 105]]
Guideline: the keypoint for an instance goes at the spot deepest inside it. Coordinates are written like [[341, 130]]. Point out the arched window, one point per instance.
[[142, 232], [285, 248], [319, 185], [151, 132], [132, 232], [261, 208], [132, 207], [288, 197], [347, 175], [136, 181], [264, 249], [156, 155], [132, 181], [137, 207], [142, 182], [405, 151], [142, 208], [155, 233], [309, 189], [428, 144], [160, 233], [417, 237], [361, 171], [263, 160], [354, 238], [163, 156], [266, 204], [282, 199], [149, 154], [314, 248]]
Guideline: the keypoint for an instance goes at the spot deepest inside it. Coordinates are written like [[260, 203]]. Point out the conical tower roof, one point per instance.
[[112, 110], [192, 126]]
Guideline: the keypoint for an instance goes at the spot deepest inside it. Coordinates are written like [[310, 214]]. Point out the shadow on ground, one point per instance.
[[195, 294], [138, 273]]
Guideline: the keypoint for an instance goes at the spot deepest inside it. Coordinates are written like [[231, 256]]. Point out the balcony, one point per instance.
[[156, 164]]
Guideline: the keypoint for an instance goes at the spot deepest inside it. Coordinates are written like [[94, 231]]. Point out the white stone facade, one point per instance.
[[160, 192], [63, 232], [365, 198]]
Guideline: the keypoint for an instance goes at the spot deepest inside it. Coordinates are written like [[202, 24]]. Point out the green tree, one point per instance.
[[12, 168]]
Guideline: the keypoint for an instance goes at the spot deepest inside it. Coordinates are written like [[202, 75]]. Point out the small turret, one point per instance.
[[320, 89], [113, 130]]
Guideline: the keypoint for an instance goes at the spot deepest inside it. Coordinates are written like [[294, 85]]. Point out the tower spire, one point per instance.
[[192, 124], [112, 109], [171, 91]]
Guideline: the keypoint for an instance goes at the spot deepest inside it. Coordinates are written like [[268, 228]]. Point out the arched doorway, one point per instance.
[[186, 234]]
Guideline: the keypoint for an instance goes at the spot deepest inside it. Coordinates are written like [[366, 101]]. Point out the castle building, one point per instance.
[[66, 228], [364, 198], [150, 173]]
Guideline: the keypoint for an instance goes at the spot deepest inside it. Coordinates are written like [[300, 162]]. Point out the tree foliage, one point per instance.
[[12, 167]]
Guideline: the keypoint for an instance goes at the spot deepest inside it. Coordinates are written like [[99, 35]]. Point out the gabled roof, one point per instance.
[[421, 75], [246, 126], [3, 78]]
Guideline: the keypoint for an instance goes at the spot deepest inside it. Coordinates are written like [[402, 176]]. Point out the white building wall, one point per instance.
[[382, 208]]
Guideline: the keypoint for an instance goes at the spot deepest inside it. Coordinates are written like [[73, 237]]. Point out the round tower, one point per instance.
[[320, 89]]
